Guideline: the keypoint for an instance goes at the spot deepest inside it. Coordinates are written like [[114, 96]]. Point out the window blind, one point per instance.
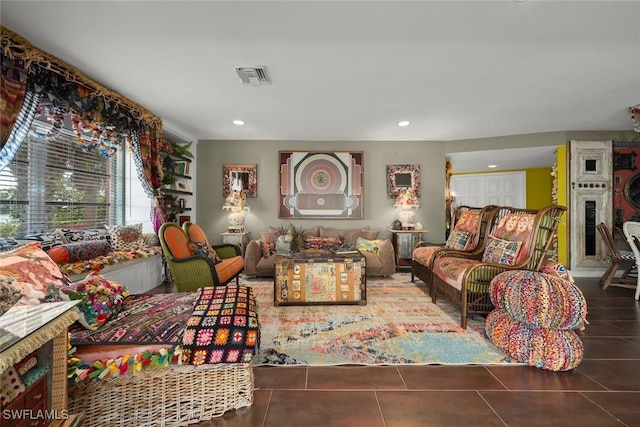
[[53, 183]]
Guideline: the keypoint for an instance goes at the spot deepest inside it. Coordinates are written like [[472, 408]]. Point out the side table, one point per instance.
[[240, 239], [403, 243]]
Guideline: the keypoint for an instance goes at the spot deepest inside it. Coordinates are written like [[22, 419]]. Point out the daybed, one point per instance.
[[165, 359], [260, 253], [122, 254]]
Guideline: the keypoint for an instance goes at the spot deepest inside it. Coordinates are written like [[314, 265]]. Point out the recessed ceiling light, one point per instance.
[[238, 122], [492, 166], [403, 123]]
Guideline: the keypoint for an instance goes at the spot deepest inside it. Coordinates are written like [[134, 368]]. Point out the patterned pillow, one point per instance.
[[100, 299], [10, 385], [458, 240], [315, 242], [500, 251], [371, 246], [203, 249], [47, 240], [6, 244], [29, 270], [70, 236], [79, 251], [127, 237], [268, 247]]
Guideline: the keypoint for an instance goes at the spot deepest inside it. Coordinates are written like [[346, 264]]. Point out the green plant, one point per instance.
[[168, 179], [297, 234]]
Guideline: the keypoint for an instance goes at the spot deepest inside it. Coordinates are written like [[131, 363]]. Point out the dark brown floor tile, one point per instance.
[[252, 416], [529, 378], [354, 377], [613, 314], [610, 301], [619, 375], [561, 408], [631, 328], [313, 408], [624, 406], [435, 408], [609, 348], [280, 377], [602, 328], [449, 378]]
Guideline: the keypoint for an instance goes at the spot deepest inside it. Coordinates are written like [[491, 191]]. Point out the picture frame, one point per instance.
[[184, 218], [182, 186], [321, 185], [624, 161], [402, 177], [180, 167], [241, 177]]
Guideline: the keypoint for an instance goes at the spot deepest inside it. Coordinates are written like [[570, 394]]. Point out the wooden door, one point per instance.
[[590, 200]]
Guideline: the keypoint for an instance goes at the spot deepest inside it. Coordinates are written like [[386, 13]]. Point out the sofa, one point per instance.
[[120, 253], [379, 255]]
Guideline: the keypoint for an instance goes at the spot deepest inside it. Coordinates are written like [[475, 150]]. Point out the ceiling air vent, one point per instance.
[[254, 75]]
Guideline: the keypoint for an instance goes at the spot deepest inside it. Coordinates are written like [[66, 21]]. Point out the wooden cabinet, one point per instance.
[[403, 243], [42, 329], [33, 401]]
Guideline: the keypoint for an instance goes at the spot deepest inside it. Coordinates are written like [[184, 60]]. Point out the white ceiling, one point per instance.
[[351, 70]]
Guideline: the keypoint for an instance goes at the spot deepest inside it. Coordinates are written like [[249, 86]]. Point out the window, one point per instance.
[[55, 184]]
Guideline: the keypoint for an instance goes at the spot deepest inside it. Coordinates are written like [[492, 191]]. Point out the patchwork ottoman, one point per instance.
[[223, 327], [534, 319]]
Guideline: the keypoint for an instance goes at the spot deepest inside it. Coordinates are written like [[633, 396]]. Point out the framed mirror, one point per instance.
[[402, 177], [239, 177]]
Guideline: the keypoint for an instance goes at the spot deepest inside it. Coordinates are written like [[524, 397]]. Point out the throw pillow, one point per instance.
[[468, 221], [29, 270], [10, 385], [203, 249], [268, 248], [127, 237], [500, 251], [371, 246], [79, 251], [458, 240], [47, 240], [71, 236], [6, 244], [100, 299]]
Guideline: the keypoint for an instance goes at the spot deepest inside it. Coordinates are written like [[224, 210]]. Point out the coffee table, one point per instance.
[[319, 277]]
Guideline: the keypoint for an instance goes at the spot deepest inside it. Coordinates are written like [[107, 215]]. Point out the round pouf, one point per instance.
[[539, 299], [545, 348]]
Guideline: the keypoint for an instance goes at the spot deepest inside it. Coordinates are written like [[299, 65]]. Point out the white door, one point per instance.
[[502, 189], [590, 200]]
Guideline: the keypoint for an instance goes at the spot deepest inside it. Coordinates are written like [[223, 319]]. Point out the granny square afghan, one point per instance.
[[223, 327]]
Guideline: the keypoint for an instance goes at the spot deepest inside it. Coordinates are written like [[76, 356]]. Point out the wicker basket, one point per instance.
[[177, 395]]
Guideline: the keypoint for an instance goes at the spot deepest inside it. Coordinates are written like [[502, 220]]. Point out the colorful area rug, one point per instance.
[[398, 326]]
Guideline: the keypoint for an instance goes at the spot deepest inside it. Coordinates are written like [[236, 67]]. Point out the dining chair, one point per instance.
[[631, 230], [617, 259]]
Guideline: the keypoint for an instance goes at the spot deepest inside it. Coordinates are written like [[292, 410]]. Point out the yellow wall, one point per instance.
[[563, 227]]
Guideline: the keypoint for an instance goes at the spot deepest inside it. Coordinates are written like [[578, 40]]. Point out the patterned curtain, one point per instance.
[[35, 82], [18, 107]]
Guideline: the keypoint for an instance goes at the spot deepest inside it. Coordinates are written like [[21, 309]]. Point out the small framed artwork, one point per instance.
[[180, 167], [402, 177], [184, 218], [182, 186], [242, 178]]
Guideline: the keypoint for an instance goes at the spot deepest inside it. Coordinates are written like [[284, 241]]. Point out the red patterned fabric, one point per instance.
[[451, 269], [517, 227], [468, 221], [223, 327], [11, 98], [424, 254]]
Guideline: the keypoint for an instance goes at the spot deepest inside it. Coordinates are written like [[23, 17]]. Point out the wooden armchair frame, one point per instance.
[[617, 259], [473, 297], [191, 272], [485, 217]]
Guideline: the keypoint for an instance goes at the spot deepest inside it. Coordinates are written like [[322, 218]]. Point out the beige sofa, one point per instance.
[[260, 262]]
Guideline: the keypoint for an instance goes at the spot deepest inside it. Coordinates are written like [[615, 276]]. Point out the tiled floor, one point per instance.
[[603, 391]]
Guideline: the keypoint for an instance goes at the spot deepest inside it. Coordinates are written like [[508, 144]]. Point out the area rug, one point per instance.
[[398, 326]]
